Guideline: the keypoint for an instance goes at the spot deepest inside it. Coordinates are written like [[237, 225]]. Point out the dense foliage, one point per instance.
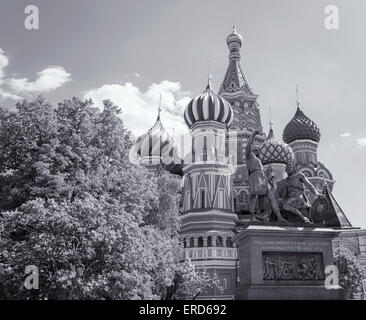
[[189, 283], [96, 226], [349, 271]]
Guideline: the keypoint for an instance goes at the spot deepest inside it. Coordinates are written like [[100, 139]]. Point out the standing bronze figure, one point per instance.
[[258, 183]]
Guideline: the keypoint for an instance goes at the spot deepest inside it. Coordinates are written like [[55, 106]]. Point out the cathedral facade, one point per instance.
[[214, 172]]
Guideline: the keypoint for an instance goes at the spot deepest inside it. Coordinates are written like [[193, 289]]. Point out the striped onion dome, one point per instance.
[[208, 106], [156, 142], [301, 128], [275, 151]]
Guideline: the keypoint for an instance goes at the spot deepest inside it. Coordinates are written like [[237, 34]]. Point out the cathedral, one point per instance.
[[215, 175]]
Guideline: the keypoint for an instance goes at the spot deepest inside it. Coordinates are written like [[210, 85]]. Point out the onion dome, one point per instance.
[[301, 128], [275, 151], [234, 39], [208, 106], [156, 143]]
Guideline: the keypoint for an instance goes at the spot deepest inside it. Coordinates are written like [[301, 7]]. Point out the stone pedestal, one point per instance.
[[280, 262]]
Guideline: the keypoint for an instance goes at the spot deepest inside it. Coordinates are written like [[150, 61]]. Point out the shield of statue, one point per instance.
[[319, 209]]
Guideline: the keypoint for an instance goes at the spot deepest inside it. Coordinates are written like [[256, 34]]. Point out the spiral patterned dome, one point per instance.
[[301, 128], [156, 142], [275, 151], [208, 106]]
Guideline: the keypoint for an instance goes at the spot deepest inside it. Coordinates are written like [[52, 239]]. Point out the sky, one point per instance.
[[131, 51]]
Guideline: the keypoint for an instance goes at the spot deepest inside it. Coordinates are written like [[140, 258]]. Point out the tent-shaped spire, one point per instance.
[[234, 78]]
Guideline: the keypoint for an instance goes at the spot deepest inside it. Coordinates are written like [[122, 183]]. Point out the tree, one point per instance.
[[164, 213], [28, 138], [190, 281], [88, 249], [66, 153], [96, 226], [349, 270]]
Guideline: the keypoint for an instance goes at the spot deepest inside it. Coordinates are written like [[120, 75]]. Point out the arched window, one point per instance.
[[209, 241], [221, 198], [203, 198], [204, 153], [191, 242], [224, 285], [313, 158], [219, 241], [243, 201], [200, 242], [188, 200], [229, 242], [303, 158]]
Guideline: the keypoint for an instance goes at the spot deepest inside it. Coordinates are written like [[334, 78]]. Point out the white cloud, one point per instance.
[[361, 142], [345, 135], [139, 109], [4, 61], [137, 75], [48, 79], [7, 95]]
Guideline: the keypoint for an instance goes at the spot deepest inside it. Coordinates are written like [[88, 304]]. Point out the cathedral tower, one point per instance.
[[276, 153], [207, 218], [236, 90], [157, 149], [303, 136]]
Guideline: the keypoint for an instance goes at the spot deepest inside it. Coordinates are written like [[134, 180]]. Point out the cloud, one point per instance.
[[139, 108], [48, 79], [7, 95], [137, 75], [361, 142], [345, 135], [4, 61]]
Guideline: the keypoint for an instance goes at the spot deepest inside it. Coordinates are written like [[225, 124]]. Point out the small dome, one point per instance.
[[156, 142], [234, 38], [275, 151], [301, 128], [208, 106]]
